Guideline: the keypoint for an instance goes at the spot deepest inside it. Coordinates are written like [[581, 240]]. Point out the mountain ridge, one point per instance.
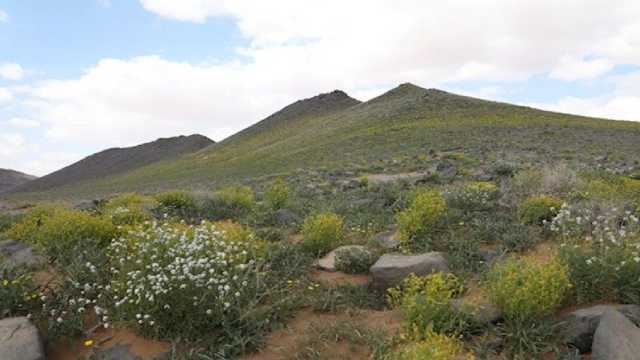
[[9, 179]]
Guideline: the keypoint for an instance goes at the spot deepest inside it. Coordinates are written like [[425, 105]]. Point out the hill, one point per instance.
[[10, 179], [117, 161], [394, 132]]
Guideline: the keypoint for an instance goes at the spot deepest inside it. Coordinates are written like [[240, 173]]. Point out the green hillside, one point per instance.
[[394, 132]]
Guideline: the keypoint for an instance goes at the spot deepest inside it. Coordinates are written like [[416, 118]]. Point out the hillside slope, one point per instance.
[[118, 160], [408, 122], [10, 179]]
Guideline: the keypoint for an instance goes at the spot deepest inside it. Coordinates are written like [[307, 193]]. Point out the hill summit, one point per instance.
[[11, 178]]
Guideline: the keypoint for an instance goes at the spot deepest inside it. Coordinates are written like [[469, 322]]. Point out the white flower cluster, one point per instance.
[[165, 267]]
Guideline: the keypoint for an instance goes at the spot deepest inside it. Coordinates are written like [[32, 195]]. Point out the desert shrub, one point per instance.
[[271, 234], [172, 280], [504, 169], [608, 186], [322, 233], [424, 302], [538, 209], [354, 260], [129, 209], [602, 250], [525, 340], [18, 294], [277, 195], [176, 203], [7, 221], [519, 237], [463, 251], [420, 222], [57, 230], [435, 346], [557, 180], [229, 203], [527, 290], [474, 196]]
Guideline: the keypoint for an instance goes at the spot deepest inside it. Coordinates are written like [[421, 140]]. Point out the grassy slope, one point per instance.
[[404, 122]]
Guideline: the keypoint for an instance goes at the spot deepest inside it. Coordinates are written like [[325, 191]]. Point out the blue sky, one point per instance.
[[78, 76]]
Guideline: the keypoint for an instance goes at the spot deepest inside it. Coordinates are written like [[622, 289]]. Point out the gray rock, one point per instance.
[[616, 338], [328, 262], [391, 269], [15, 254], [488, 256], [388, 239], [20, 340], [485, 313], [286, 217], [580, 325]]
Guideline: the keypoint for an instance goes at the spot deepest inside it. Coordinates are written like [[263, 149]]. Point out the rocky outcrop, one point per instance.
[[20, 340]]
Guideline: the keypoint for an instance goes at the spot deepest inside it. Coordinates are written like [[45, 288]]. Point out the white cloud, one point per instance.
[[616, 107], [571, 68], [11, 71], [5, 95], [4, 17], [23, 123]]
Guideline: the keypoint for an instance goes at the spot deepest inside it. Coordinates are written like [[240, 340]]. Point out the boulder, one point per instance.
[[328, 262], [15, 254], [388, 239], [390, 270], [580, 325], [20, 340], [616, 338], [481, 313]]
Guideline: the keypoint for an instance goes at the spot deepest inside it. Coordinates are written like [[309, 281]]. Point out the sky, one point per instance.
[[80, 76]]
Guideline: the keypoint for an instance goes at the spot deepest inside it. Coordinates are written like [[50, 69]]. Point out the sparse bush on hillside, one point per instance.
[[354, 260], [322, 233], [424, 302], [519, 237], [537, 210], [526, 290], [504, 169], [420, 223], [471, 197], [129, 209], [229, 203], [176, 203], [277, 195], [434, 346], [602, 250], [57, 230]]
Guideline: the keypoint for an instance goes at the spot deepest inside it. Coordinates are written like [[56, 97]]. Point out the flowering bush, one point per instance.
[[57, 230], [434, 347], [538, 209], [601, 246], [475, 196], [129, 209], [183, 281], [322, 233], [527, 290], [17, 295], [424, 301], [277, 195], [418, 224]]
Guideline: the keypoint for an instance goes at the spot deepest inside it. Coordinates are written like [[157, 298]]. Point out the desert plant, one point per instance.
[[538, 209], [527, 290], [176, 203], [322, 233], [434, 346], [519, 237], [474, 196], [419, 223], [354, 260], [128, 209], [277, 195], [18, 294], [424, 302], [228, 203]]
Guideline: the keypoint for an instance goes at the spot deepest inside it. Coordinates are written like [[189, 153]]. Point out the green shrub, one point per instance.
[[537, 210], [176, 203], [57, 230], [17, 294], [354, 260], [419, 224], [7, 221], [277, 195], [424, 302], [474, 196], [322, 233], [129, 209], [434, 347], [271, 234], [527, 290], [229, 203], [519, 237]]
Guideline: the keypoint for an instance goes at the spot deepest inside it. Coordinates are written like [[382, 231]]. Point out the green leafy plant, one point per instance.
[[18, 294], [277, 195], [322, 233], [434, 346], [539, 209], [354, 260], [129, 209], [176, 203], [419, 223], [472, 197], [229, 203]]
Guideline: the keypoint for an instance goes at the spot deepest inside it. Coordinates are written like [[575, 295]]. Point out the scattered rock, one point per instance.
[[616, 338], [20, 340], [287, 217], [485, 313], [15, 254], [328, 262], [391, 269], [388, 239], [580, 325]]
